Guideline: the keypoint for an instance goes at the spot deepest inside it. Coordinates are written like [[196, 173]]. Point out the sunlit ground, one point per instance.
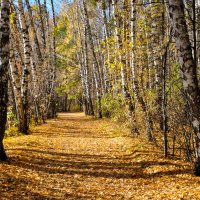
[[78, 157]]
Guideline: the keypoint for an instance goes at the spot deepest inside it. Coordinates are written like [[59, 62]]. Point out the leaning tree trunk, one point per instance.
[[4, 63], [187, 69]]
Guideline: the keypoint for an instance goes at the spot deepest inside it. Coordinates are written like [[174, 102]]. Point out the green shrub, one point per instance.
[[12, 131], [112, 107], [12, 123]]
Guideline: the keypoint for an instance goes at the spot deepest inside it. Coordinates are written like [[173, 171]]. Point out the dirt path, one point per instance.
[[77, 157]]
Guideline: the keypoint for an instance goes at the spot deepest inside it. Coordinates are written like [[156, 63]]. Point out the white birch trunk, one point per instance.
[[187, 69]]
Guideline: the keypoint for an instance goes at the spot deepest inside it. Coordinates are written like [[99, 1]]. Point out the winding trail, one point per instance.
[[78, 157]]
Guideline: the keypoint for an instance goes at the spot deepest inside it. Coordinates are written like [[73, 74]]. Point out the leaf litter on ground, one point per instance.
[[79, 157]]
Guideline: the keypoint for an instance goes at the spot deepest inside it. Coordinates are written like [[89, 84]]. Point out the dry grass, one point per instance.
[[77, 157]]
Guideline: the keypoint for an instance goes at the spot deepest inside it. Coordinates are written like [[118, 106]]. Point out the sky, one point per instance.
[[57, 4]]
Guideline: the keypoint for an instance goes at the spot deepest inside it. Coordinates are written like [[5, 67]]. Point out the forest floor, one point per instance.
[[78, 157]]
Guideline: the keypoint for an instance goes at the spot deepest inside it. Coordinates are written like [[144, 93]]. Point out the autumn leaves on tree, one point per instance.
[[134, 61], [28, 65]]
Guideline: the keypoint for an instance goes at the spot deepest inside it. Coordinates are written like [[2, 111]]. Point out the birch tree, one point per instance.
[[4, 65], [187, 70], [27, 63]]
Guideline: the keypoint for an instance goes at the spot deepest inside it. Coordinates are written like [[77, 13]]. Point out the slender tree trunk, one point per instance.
[[15, 77], [194, 31], [54, 41], [27, 63], [164, 99], [16, 64], [86, 76], [47, 62]]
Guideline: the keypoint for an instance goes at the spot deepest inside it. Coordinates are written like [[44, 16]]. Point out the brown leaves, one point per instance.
[[77, 157]]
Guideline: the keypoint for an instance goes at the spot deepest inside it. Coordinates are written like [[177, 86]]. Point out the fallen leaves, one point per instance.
[[77, 157]]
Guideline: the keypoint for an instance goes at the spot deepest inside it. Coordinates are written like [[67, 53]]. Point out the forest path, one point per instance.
[[78, 157]]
